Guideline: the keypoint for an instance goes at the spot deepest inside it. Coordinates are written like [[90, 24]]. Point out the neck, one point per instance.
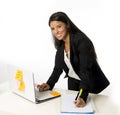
[[67, 39]]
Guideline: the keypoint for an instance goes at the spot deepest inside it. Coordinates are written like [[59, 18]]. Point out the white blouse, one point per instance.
[[71, 72]]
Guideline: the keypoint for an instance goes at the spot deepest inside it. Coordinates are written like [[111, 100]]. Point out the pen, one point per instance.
[[79, 94]]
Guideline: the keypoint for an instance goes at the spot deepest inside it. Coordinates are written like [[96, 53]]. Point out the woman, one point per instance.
[[76, 56]]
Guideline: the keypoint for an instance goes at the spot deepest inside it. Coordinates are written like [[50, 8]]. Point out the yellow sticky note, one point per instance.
[[21, 86], [19, 75], [55, 93], [19, 78]]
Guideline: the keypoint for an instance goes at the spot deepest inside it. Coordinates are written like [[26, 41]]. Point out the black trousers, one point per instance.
[[73, 84]]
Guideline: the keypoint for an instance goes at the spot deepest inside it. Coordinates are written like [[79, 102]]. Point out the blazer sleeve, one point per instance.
[[57, 71], [86, 58]]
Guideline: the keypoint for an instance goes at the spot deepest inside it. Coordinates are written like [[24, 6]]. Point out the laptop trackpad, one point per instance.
[[44, 95]]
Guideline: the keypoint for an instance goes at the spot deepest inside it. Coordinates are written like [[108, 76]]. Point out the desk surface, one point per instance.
[[11, 104]]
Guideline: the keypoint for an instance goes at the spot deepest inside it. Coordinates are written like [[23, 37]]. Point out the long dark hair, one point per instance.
[[72, 28]]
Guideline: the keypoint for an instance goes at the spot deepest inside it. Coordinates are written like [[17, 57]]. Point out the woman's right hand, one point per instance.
[[43, 87], [79, 102]]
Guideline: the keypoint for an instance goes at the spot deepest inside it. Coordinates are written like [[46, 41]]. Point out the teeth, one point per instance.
[[58, 35]]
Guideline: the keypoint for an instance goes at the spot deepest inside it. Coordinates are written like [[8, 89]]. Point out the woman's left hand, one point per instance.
[[79, 102]]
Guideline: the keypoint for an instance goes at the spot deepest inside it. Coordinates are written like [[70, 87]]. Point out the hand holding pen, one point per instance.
[[79, 102]]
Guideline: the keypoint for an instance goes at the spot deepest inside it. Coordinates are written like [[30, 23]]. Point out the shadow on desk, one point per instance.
[[104, 105]]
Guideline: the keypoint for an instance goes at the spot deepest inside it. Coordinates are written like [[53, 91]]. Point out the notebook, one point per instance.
[[68, 106], [23, 84]]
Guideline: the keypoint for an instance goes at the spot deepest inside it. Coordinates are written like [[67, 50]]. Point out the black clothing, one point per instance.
[[84, 63]]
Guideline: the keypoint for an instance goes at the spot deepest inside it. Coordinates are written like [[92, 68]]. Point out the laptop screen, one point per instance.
[[22, 83]]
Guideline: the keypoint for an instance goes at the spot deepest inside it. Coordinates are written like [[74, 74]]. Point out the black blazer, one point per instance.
[[84, 64]]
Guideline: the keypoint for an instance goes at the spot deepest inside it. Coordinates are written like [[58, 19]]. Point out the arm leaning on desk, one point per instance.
[[15, 105]]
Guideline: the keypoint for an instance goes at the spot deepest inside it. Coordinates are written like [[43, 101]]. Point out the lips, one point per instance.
[[58, 35]]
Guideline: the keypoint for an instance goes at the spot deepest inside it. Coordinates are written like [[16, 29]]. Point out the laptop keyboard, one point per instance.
[[43, 95]]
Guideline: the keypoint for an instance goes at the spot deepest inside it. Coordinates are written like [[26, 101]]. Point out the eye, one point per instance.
[[59, 26], [52, 28]]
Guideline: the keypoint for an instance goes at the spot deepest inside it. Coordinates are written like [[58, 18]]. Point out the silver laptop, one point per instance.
[[22, 84]]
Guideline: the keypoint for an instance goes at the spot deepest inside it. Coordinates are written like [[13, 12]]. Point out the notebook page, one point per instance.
[[68, 106]]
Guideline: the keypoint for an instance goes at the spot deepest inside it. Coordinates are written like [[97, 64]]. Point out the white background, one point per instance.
[[25, 37]]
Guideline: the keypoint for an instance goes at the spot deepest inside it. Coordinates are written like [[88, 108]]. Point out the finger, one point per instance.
[[38, 86], [46, 87], [75, 102], [43, 85], [40, 89], [80, 103]]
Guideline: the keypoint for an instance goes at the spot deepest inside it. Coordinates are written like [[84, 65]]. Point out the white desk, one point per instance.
[[11, 104]]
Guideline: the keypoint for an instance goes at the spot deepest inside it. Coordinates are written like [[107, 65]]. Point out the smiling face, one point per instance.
[[59, 30]]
